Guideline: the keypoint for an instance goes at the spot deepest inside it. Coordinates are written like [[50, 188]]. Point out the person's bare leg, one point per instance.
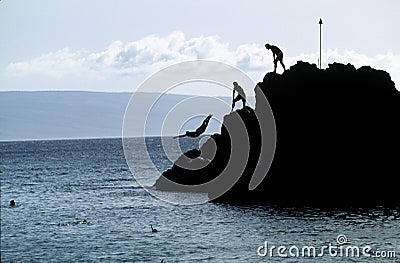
[[234, 101]]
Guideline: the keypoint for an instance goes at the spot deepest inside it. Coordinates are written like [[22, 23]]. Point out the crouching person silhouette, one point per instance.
[[277, 54], [198, 131], [241, 95]]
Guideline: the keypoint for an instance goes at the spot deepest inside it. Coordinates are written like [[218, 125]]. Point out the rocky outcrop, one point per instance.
[[338, 141]]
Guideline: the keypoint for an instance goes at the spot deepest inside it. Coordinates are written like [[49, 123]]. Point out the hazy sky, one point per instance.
[[114, 45]]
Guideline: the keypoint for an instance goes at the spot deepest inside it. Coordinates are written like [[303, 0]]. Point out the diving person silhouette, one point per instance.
[[198, 131]]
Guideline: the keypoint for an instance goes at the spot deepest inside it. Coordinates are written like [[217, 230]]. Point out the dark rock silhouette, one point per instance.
[[338, 138]]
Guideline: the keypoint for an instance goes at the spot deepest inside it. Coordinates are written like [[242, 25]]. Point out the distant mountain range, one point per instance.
[[78, 114]]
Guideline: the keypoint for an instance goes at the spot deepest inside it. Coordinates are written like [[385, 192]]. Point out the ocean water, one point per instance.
[[58, 184]]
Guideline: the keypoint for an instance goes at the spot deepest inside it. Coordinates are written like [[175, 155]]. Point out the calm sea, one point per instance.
[[58, 184]]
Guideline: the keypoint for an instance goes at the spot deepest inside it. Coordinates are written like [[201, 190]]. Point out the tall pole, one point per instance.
[[320, 43]]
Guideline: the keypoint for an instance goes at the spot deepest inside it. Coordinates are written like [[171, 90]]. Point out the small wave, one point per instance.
[[119, 187], [74, 223]]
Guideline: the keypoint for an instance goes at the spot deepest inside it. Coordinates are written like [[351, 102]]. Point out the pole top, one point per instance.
[[320, 21]]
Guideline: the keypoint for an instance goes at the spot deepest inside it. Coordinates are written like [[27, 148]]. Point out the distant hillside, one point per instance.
[[49, 115], [76, 114]]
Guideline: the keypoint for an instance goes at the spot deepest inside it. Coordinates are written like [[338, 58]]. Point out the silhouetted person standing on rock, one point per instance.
[[198, 131], [278, 55], [241, 95]]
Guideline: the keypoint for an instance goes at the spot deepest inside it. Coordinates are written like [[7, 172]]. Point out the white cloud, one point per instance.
[[54, 64], [153, 52], [143, 56]]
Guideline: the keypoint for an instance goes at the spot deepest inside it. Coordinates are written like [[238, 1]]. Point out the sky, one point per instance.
[[113, 46]]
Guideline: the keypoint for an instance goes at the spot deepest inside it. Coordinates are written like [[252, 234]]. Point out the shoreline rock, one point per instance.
[[338, 135]]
